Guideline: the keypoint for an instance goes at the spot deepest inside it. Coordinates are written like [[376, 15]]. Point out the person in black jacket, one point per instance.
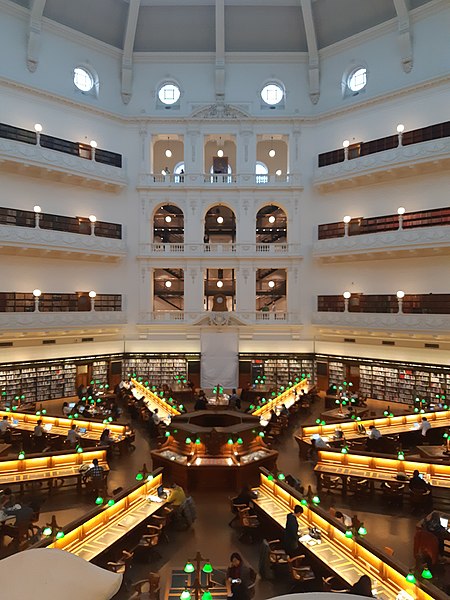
[[291, 531]]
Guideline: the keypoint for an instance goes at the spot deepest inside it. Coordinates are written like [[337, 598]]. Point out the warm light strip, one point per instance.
[[382, 469], [287, 397], [61, 426], [155, 401], [384, 424], [85, 540], [389, 581]]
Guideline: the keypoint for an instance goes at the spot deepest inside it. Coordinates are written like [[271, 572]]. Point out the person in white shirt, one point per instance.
[[373, 433], [73, 436], [425, 426], [66, 410], [4, 425], [156, 418], [320, 443]]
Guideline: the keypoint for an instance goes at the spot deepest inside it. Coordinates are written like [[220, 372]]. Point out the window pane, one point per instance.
[[272, 94], [83, 79], [357, 80], [169, 93]]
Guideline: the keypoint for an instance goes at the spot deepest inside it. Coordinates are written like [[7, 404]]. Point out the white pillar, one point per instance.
[[146, 291], [294, 152], [194, 222], [193, 153], [246, 152], [245, 288], [193, 289], [145, 140]]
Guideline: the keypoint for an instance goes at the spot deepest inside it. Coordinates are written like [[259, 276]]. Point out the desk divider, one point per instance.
[[154, 400], [288, 398]]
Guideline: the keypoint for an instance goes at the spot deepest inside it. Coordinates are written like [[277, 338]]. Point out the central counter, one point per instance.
[[220, 449]]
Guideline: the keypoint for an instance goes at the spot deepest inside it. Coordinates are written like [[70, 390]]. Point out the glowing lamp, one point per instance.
[[281, 476], [139, 477], [344, 450], [240, 441], [346, 295], [188, 440], [347, 219], [207, 568], [270, 477], [47, 531], [220, 153], [99, 500], [185, 595], [349, 533], [189, 568], [410, 578], [304, 502], [362, 530], [230, 442], [426, 573], [60, 535], [79, 449], [21, 455], [198, 441], [167, 434], [400, 294], [261, 434], [150, 478], [271, 219], [401, 455], [92, 218], [400, 128], [315, 500], [37, 293], [272, 153], [207, 595], [93, 144], [111, 502], [219, 219], [38, 128], [345, 144]]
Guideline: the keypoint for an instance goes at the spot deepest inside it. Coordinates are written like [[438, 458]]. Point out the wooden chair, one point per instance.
[[419, 499], [334, 584], [393, 492], [299, 571], [160, 521], [330, 483], [122, 565], [148, 542], [235, 508], [278, 557], [249, 525], [147, 589], [358, 486]]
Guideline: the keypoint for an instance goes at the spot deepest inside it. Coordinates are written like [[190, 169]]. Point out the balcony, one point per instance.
[[36, 161], [388, 322], [219, 318], [402, 161], [161, 250], [202, 181], [32, 321]]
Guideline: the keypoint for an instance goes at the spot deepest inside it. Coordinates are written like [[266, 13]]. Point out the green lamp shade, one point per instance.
[[362, 530], [230, 441], [318, 421], [111, 502], [188, 440], [150, 478], [281, 476], [38, 412], [401, 456], [60, 535], [240, 441], [315, 500], [189, 567], [344, 450], [44, 412], [410, 578], [304, 502], [197, 441], [79, 449], [261, 434], [99, 500], [185, 595], [139, 477], [270, 477], [349, 533], [426, 573], [207, 568], [21, 455], [167, 434], [207, 595], [322, 422], [47, 531]]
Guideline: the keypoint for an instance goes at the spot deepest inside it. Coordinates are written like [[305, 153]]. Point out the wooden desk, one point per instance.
[[433, 452], [49, 468], [348, 558], [379, 468], [61, 426], [386, 425], [288, 398], [336, 415], [99, 532], [152, 401]]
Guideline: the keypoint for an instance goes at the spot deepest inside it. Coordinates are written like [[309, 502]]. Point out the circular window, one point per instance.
[[272, 94], [83, 79], [357, 79], [169, 93]]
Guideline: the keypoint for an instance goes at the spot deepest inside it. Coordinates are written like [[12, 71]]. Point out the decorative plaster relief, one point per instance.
[[388, 321]]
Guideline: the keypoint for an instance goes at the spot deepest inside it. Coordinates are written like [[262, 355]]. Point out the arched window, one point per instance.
[[179, 173], [262, 172], [271, 225], [220, 226], [168, 225], [221, 177]]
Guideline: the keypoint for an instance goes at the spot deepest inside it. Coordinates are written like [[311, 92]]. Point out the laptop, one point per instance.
[[15, 421], [82, 430], [48, 427], [161, 493], [71, 404], [444, 522]]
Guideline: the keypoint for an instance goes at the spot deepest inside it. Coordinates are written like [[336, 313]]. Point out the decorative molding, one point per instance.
[[220, 112], [402, 161], [219, 318], [44, 241], [53, 163], [205, 251], [150, 181], [34, 34], [382, 321], [431, 239], [49, 320]]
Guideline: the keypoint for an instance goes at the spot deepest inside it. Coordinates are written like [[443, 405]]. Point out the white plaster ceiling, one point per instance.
[[250, 25]]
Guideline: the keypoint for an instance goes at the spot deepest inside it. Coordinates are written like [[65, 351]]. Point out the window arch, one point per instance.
[[168, 225], [271, 225], [168, 94], [85, 80], [354, 79], [220, 225], [272, 93], [262, 172]]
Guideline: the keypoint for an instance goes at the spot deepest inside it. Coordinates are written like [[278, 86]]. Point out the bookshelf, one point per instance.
[[53, 302], [158, 369]]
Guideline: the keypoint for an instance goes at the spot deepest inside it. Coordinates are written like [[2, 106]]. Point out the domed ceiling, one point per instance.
[[249, 25]]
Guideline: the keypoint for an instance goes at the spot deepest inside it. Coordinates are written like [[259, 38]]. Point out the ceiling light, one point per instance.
[[168, 219], [92, 294], [219, 284], [92, 218], [219, 219], [93, 144], [220, 153], [37, 293], [400, 128], [168, 153], [38, 128], [271, 284], [272, 153], [37, 209], [345, 144], [401, 210], [400, 294], [347, 219], [271, 219], [168, 284], [346, 295], [278, 172]]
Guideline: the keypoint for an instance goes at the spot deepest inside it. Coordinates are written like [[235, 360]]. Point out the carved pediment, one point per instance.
[[219, 319], [219, 111]]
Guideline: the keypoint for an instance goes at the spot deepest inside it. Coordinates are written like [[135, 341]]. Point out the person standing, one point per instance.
[[39, 436], [291, 531]]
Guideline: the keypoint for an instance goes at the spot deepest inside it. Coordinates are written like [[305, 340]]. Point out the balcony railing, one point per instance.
[[18, 302], [207, 180], [276, 249], [218, 318], [383, 321], [66, 320], [437, 304]]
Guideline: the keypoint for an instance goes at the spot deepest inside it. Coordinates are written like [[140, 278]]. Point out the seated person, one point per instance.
[[424, 426], [95, 471], [339, 434], [73, 437], [373, 437], [156, 418], [245, 496], [320, 443], [7, 499], [295, 483], [105, 438], [363, 587], [284, 411], [66, 409], [234, 402], [177, 496], [273, 417], [346, 519], [5, 426], [239, 577], [418, 484], [202, 402], [432, 523]]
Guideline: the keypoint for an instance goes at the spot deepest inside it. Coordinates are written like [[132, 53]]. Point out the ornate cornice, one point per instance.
[[66, 320], [382, 321], [220, 112]]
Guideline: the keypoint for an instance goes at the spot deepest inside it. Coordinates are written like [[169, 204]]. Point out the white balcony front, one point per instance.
[[162, 250], [59, 244], [33, 321], [36, 161], [202, 180], [388, 165], [408, 323], [420, 241], [218, 318]]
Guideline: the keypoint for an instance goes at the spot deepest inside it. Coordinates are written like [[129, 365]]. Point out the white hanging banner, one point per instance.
[[219, 359]]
